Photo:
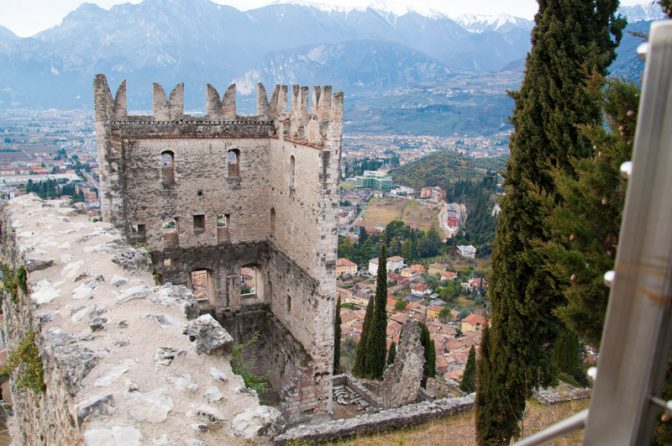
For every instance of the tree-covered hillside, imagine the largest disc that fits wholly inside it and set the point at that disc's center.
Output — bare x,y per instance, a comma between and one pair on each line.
445,167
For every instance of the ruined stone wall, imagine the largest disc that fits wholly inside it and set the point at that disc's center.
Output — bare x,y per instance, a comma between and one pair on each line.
122,362
281,208
374,423
225,260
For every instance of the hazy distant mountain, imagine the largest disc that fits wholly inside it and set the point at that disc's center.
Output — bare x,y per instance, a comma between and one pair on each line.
642,13
197,41
7,35
369,65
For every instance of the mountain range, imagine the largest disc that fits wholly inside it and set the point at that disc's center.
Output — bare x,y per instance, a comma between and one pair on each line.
364,52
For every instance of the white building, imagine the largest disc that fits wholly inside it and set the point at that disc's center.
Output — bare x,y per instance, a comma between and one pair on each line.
393,263
468,251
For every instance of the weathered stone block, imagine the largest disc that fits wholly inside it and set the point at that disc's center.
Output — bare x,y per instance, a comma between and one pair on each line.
208,335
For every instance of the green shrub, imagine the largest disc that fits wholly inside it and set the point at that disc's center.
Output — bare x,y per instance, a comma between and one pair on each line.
26,359
22,279
243,367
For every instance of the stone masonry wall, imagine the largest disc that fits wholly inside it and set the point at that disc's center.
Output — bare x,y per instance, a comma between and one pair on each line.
368,424
201,186
118,368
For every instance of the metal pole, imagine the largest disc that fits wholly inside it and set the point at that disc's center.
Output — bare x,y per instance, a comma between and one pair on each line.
574,423
637,338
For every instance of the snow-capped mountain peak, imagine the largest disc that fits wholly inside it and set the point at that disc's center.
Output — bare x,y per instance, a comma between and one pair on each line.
386,8
639,13
478,23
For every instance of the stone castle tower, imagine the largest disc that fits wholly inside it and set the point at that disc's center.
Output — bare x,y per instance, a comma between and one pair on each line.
242,209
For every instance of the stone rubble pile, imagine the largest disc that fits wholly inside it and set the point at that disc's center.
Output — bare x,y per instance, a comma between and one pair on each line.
345,396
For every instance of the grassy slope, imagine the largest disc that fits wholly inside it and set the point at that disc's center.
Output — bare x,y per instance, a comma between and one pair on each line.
381,211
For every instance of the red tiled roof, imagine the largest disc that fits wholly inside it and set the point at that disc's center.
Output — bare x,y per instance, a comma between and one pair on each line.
475,319
345,262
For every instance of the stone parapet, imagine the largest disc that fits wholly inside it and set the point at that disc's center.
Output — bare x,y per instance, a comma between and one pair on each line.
118,366
367,424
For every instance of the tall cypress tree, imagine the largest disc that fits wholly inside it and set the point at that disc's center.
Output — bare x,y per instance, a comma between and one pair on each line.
485,425
468,383
429,370
337,337
361,366
372,348
586,224
377,348
573,43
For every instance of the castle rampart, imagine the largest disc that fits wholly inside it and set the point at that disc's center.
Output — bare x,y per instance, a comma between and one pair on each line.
123,361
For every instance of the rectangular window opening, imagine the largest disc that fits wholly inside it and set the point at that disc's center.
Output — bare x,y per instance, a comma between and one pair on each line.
201,284
223,220
248,281
199,223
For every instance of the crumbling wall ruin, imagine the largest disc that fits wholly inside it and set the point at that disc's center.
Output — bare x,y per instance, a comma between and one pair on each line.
219,194
402,379
123,364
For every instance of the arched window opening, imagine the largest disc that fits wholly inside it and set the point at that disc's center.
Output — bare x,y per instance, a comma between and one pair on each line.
170,233
233,161
168,167
272,222
292,168
202,285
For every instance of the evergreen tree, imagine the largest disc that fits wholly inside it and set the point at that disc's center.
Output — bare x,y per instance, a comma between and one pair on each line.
337,337
361,366
377,340
392,354
573,43
468,383
486,424
429,370
372,348
567,357
586,224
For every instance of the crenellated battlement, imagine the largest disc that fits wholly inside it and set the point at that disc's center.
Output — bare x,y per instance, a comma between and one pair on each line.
307,120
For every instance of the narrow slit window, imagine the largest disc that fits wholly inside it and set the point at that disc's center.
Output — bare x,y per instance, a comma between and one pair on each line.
272,221
168,167
233,161
289,303
292,168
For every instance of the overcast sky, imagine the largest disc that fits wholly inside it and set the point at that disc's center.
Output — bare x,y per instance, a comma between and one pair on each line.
27,17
